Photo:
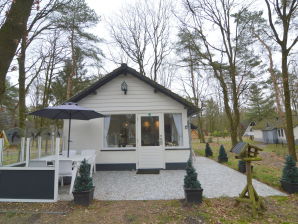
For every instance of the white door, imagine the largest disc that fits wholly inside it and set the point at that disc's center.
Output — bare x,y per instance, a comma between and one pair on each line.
150,141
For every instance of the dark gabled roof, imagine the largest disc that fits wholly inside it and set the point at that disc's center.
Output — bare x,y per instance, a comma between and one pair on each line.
270,124
124,69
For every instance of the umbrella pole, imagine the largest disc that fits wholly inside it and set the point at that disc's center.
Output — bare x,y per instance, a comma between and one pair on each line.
68,136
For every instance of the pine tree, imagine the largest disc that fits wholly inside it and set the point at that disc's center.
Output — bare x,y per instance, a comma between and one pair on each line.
83,181
191,177
260,106
74,20
290,171
222,157
208,150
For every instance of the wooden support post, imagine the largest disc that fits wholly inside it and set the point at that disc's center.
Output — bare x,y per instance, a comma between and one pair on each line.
249,194
22,156
56,165
27,151
248,153
39,146
1,150
53,143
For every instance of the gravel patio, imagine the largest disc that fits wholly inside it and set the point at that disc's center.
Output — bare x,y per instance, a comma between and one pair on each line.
217,181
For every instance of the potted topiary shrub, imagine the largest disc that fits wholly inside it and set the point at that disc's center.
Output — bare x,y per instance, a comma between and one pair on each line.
289,180
208,150
192,187
222,156
83,189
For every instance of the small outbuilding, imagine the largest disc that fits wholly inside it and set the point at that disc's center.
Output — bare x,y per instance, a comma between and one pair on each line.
146,126
271,131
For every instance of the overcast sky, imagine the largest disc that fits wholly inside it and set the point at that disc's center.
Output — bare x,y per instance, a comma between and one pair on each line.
105,9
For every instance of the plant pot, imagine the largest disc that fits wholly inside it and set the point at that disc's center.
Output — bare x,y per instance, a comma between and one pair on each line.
83,198
193,195
290,188
242,167
223,160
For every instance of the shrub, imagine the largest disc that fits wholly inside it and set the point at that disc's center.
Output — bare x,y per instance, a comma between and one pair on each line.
208,151
191,177
222,157
83,181
290,171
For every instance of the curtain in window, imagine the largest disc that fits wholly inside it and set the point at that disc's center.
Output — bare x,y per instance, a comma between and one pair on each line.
107,121
178,123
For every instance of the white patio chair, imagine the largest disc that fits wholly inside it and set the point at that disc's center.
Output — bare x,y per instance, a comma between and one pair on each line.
71,153
66,169
90,155
37,163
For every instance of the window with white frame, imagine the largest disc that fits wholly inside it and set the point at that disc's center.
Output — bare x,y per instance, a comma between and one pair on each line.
120,131
173,129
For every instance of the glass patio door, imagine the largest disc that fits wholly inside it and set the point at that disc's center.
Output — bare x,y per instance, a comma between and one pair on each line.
150,141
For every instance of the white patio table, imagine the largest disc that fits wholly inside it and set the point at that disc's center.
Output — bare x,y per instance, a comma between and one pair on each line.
75,158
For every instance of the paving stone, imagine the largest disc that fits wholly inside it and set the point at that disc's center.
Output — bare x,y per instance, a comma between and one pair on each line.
216,179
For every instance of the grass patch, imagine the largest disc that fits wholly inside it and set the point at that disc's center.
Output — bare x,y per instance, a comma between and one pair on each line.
220,210
268,171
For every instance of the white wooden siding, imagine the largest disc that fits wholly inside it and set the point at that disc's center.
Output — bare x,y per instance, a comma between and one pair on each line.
258,135
140,97
109,99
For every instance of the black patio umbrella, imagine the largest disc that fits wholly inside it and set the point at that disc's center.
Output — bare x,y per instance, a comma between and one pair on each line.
68,110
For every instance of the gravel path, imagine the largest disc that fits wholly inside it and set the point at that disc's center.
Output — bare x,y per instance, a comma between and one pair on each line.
217,181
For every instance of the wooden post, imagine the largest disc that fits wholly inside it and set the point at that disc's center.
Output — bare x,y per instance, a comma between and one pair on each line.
52,143
56,165
63,143
39,146
22,156
27,152
249,193
1,150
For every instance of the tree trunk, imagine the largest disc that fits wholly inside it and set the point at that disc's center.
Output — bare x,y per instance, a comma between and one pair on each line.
233,128
22,80
200,129
288,109
11,33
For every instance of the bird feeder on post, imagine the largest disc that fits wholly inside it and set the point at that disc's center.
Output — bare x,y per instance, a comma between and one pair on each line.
248,153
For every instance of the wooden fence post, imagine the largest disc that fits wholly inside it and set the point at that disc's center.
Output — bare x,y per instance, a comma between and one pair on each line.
53,143
27,152
22,156
62,139
1,150
56,181
39,146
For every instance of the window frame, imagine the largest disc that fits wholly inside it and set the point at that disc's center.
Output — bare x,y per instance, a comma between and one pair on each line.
167,147
106,148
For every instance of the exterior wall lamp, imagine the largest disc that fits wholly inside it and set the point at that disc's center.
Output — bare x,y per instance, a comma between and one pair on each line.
124,87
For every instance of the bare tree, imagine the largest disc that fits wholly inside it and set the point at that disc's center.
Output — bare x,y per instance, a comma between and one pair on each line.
38,23
142,32
228,56
129,34
286,12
